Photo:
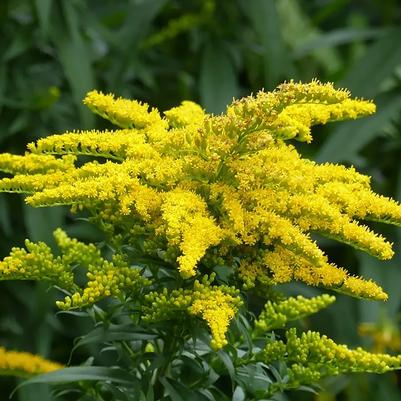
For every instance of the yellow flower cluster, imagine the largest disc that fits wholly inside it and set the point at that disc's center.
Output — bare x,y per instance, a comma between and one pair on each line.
105,278
188,113
121,112
217,305
14,363
33,164
276,314
225,188
313,356
189,226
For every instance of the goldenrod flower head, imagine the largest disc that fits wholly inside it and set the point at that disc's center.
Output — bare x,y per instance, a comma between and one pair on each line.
16,363
198,188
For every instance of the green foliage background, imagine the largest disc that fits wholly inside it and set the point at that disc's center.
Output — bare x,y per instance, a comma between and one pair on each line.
164,51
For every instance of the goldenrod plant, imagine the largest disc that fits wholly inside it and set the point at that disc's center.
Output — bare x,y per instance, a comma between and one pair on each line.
198,213
24,364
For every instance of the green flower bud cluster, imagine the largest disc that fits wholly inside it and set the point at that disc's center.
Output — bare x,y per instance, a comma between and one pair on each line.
276,314
106,279
216,305
166,305
37,262
77,252
313,356
253,276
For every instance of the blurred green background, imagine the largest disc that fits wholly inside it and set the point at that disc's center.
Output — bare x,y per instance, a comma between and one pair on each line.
162,52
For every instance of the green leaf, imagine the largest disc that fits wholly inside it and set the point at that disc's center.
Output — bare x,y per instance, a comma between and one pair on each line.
18,124
115,333
5,217
208,394
74,55
368,74
335,38
171,390
266,23
3,84
82,373
43,9
225,358
18,46
139,17
366,78
388,275
239,394
218,82
178,392
41,222
253,378
41,392
193,369
218,394
125,39
298,29
342,324
150,395
242,324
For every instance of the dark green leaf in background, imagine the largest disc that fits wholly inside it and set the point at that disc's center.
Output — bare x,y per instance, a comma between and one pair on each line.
348,139
74,56
83,373
218,82
265,20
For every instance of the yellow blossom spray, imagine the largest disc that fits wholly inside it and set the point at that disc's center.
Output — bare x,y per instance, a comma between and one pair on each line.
199,213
